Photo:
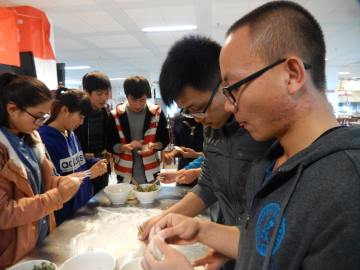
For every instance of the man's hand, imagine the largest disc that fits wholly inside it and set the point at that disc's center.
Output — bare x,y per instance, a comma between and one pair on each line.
188,176
169,158
177,229
150,147
189,153
147,225
174,260
170,177
131,146
213,260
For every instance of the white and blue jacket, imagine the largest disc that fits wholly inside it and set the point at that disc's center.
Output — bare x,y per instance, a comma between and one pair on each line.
67,156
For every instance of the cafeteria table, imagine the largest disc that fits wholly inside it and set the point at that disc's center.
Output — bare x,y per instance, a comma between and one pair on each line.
56,247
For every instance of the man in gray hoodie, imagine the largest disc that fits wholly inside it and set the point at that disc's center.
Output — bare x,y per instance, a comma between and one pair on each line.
303,197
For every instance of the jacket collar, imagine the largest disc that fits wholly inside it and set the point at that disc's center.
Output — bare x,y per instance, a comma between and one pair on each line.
153,108
38,150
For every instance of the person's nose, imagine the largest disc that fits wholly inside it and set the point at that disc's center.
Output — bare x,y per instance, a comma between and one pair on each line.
230,107
197,119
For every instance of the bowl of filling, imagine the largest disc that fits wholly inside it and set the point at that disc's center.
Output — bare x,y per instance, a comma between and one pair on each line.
118,194
148,193
34,265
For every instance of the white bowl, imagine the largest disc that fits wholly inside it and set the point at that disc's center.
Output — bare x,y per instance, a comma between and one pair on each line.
29,265
90,261
147,197
134,264
118,194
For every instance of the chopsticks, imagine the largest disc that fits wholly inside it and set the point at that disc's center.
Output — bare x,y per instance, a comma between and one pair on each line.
135,183
140,229
153,184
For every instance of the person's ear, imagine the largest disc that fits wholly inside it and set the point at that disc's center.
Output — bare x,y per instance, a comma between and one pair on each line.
87,93
64,110
297,74
11,108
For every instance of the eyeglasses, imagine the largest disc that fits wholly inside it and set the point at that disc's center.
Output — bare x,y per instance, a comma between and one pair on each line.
202,114
227,90
38,120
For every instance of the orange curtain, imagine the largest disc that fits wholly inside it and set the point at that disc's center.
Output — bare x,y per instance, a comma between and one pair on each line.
34,29
9,45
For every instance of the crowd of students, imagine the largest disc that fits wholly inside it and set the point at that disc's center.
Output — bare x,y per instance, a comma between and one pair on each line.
53,151
287,184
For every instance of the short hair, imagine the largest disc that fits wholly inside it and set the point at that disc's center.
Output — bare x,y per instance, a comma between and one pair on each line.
74,99
137,86
192,61
96,80
24,92
281,28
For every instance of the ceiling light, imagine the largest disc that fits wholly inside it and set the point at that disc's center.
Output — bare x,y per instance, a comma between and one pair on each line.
170,28
344,73
117,79
326,59
78,67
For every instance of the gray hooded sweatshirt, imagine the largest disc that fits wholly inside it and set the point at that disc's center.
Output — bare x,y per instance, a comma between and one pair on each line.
306,214
228,156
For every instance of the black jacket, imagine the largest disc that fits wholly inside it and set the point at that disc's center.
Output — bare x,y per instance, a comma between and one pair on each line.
182,136
83,134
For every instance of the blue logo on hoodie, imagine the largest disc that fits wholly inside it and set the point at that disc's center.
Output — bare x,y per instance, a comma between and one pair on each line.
265,228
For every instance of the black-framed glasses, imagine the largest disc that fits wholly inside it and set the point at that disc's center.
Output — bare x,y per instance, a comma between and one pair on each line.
227,90
38,120
202,114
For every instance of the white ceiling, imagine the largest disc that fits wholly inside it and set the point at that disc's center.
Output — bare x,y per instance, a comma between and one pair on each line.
106,34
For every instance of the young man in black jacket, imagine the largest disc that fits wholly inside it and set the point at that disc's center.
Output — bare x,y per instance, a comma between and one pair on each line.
92,134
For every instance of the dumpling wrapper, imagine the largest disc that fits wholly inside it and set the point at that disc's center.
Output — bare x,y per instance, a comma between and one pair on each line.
155,250
178,148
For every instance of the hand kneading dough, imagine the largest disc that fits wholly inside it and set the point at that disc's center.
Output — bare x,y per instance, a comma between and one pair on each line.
154,250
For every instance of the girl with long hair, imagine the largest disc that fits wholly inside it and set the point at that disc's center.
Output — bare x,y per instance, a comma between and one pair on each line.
29,193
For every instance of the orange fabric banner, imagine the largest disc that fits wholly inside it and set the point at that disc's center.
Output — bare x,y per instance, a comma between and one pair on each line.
9,45
34,29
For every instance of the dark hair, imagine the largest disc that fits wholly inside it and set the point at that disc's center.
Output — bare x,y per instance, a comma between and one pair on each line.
24,92
74,99
95,80
281,28
137,86
192,61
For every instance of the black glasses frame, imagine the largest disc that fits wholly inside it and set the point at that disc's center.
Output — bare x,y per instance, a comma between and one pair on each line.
38,120
202,114
227,90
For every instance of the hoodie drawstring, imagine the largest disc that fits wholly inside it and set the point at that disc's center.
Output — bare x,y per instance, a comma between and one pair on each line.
281,214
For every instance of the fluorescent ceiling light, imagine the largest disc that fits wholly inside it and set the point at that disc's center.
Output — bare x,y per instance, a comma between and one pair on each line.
72,82
117,79
344,73
78,67
170,28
